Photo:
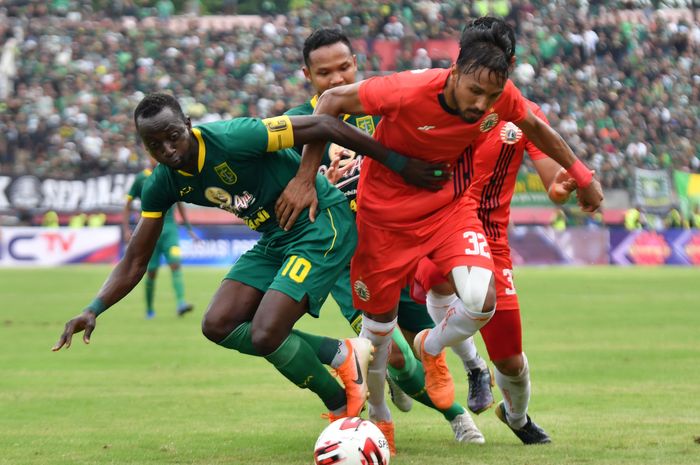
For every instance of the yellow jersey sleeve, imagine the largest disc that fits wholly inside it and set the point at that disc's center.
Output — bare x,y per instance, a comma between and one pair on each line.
279,133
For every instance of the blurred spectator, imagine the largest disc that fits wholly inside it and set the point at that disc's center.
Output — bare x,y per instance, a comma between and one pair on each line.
50,219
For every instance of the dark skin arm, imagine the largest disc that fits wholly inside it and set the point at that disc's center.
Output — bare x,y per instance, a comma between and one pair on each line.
301,193
123,278
181,208
550,142
126,214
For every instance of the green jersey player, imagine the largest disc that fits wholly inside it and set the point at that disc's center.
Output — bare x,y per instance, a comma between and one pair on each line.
241,166
168,247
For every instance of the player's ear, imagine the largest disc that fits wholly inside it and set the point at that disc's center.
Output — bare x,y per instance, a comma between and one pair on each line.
188,122
512,63
307,73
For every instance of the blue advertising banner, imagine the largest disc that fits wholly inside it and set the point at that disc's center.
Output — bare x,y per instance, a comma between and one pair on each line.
219,245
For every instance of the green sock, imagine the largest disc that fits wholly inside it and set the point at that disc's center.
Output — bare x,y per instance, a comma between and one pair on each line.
325,348
411,379
179,286
296,360
150,292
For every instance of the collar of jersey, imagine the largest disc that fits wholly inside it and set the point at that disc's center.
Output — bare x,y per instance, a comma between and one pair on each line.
201,153
314,101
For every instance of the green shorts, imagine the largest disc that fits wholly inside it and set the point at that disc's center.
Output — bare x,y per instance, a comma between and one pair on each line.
413,317
168,245
304,261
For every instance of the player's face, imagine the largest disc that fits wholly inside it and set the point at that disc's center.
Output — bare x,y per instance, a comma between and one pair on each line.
167,138
473,94
331,66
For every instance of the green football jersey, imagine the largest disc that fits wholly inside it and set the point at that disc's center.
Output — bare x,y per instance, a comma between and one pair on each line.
242,168
348,184
136,191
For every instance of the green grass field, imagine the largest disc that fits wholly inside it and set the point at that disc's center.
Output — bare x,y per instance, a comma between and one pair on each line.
614,356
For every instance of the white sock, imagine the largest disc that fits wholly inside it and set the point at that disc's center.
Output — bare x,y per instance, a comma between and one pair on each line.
458,325
340,355
437,305
516,394
380,336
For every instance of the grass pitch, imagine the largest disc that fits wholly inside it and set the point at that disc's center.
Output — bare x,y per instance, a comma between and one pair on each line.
614,356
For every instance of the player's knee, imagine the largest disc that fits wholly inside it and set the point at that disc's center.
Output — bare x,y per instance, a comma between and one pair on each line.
265,340
217,327
511,366
396,358
476,288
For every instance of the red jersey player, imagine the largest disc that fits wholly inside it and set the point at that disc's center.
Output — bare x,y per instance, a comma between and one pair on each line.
433,115
489,177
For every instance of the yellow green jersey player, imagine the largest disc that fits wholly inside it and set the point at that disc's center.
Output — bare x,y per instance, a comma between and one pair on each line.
242,166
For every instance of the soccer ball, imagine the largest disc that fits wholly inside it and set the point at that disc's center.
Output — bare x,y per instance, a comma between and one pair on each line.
351,441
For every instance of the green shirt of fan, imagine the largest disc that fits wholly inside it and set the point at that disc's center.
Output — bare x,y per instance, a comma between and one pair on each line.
243,166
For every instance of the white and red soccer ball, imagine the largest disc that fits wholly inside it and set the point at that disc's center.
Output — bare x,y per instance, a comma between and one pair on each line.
351,441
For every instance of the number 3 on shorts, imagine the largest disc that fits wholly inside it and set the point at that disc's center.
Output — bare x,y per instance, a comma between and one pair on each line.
298,268
477,244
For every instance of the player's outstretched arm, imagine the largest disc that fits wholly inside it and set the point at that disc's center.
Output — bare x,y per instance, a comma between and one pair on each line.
123,278
589,191
126,214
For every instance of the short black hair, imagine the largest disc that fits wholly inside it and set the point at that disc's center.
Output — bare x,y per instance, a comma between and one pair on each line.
486,42
321,38
154,103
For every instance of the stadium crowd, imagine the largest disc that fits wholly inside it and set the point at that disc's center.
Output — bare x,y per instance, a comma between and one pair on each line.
620,84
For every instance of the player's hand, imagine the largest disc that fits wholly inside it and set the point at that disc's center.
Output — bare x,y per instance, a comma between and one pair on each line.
335,173
562,186
85,321
590,197
426,175
298,195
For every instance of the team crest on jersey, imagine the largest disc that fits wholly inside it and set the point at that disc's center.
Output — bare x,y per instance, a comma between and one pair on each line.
511,134
226,174
489,122
361,290
366,123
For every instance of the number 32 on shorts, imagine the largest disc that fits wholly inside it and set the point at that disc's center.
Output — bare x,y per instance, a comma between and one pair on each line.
476,244
297,268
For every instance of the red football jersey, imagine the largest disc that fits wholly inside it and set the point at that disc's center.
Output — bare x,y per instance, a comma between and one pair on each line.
417,122
496,161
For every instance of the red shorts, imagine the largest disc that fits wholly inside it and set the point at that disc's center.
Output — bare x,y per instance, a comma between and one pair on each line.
428,275
385,261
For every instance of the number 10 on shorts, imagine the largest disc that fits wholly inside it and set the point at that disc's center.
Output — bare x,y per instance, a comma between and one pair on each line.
297,268
477,244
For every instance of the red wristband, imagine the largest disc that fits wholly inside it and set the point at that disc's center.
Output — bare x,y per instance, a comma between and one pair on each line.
581,174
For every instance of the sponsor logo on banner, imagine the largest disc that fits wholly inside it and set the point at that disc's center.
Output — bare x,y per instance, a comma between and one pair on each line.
692,248
649,248
26,246
104,193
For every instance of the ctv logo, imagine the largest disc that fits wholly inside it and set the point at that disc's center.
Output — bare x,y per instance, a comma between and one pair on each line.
24,247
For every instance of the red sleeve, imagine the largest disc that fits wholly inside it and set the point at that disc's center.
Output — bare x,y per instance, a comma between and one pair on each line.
511,105
532,151
379,96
